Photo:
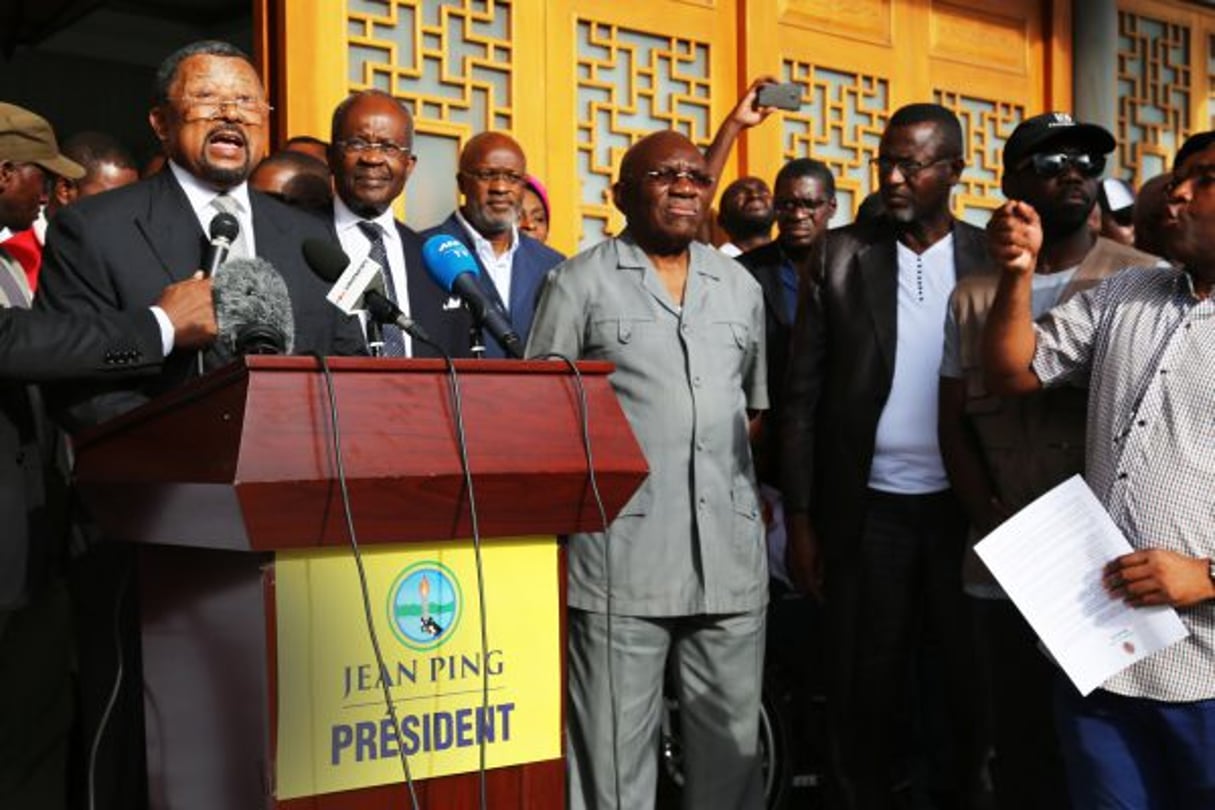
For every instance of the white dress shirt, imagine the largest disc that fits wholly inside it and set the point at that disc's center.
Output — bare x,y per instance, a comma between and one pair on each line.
498,267
201,196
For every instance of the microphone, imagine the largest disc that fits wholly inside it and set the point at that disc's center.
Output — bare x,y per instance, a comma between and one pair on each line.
252,310
223,231
453,268
360,287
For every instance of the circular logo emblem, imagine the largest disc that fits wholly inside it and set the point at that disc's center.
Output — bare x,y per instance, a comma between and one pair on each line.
424,605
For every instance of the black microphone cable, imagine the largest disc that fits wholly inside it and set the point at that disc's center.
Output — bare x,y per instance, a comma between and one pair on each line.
585,423
119,674
457,408
358,560
462,445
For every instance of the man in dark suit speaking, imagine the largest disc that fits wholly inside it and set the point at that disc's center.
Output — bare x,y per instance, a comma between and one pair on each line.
35,654
119,250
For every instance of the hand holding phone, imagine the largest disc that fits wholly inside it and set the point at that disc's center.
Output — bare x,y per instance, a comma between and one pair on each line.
783,96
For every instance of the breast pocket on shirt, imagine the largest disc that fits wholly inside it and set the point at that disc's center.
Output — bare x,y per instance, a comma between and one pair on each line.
732,339
614,335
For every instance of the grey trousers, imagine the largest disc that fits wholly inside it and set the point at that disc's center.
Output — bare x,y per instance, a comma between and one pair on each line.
717,664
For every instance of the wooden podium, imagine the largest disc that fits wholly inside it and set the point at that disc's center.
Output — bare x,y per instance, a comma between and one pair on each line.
213,478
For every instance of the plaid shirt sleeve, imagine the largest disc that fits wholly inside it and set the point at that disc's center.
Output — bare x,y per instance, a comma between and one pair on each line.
1066,337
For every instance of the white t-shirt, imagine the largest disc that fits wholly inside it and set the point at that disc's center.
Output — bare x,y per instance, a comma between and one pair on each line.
907,455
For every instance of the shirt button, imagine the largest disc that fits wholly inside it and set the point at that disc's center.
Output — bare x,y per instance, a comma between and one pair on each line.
685,328
700,445
1121,476
696,381
1141,422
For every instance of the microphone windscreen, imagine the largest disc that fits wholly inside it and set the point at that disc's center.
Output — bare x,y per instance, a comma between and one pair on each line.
224,226
326,259
445,258
251,303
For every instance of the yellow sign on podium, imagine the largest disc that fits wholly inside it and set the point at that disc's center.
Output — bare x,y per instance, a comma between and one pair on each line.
334,730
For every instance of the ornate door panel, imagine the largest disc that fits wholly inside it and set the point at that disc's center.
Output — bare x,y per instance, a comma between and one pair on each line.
574,81
1166,80
618,71
577,81
859,60
463,66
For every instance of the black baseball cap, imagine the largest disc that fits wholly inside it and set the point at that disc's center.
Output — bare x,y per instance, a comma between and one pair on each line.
1034,134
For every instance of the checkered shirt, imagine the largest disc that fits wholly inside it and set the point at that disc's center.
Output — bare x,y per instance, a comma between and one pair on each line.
1145,346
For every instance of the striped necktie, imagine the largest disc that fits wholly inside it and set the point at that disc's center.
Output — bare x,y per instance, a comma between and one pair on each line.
14,289
227,204
394,341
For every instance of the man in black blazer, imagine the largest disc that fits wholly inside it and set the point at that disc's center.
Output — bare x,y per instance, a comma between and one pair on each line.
871,517
804,202
371,156
118,250
513,265
35,647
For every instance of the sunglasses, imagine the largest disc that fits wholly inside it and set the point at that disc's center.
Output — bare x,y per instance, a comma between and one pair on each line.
1050,165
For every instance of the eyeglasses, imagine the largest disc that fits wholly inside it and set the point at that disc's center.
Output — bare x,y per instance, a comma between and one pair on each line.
246,109
791,205
669,176
358,146
908,168
495,176
1054,164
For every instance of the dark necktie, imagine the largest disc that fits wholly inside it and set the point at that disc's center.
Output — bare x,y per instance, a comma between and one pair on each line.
394,341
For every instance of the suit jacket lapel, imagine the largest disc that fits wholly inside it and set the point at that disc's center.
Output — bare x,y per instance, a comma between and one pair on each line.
769,276
272,236
170,227
425,296
878,268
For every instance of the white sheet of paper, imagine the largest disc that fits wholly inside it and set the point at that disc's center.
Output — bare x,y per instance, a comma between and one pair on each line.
1048,558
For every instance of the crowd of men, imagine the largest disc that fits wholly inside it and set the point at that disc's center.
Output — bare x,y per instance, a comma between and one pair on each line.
895,389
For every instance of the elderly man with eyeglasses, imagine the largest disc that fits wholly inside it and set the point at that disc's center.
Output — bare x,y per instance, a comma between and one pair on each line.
679,583
371,156
118,251
491,177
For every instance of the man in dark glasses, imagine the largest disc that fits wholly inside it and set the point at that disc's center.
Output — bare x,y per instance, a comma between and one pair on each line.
1141,343
1003,453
